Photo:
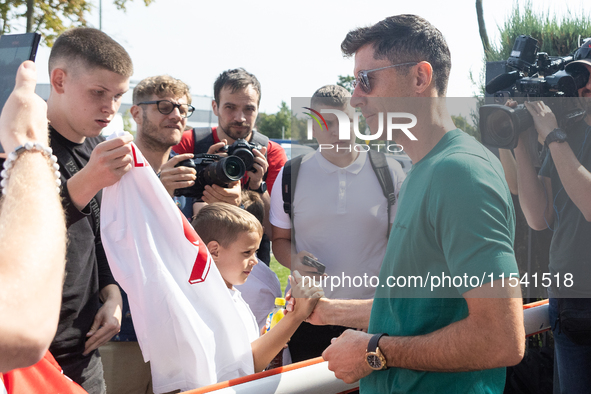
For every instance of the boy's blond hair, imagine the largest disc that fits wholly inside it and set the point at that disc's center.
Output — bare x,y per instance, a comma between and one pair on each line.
223,223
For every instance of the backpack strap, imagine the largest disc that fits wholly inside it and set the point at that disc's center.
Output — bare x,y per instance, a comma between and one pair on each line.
288,184
203,137
259,138
380,167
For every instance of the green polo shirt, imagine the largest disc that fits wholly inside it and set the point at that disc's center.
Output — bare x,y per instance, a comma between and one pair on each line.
455,219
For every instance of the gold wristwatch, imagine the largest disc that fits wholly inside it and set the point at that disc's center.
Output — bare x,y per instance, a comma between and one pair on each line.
374,357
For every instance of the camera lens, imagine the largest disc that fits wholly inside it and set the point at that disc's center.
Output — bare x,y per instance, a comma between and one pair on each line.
222,172
234,167
501,127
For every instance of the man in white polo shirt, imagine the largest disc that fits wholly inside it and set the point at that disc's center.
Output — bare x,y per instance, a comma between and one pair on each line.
340,217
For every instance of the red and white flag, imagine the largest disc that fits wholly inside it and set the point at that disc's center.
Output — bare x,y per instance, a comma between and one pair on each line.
185,320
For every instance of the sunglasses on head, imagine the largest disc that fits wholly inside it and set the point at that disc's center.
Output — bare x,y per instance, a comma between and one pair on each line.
165,107
363,80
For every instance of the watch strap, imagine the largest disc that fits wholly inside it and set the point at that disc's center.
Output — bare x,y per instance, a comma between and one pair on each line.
556,135
262,188
373,342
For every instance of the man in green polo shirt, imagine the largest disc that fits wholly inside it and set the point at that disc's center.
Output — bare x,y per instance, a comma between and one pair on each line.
445,318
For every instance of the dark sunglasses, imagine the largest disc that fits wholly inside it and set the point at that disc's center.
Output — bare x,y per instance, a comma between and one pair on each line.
165,107
363,80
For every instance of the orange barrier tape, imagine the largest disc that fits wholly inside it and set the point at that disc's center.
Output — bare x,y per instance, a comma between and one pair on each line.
302,364
534,304
259,375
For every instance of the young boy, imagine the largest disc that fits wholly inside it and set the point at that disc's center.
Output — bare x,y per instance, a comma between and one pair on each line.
232,236
263,286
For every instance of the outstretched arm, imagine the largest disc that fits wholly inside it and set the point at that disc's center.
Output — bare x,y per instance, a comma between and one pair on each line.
32,233
491,336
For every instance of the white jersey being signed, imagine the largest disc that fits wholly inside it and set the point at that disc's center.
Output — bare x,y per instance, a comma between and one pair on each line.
186,322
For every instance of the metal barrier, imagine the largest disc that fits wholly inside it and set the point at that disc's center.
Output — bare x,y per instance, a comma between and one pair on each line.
313,376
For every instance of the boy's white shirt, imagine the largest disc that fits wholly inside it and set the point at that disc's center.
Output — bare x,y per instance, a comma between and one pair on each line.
245,313
260,291
186,322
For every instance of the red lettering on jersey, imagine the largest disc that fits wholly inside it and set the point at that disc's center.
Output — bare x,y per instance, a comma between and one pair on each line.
203,259
136,163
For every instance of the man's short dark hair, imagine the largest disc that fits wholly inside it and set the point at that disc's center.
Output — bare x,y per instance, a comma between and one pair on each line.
92,47
405,38
236,79
331,96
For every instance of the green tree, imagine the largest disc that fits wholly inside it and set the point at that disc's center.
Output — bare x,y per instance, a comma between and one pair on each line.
276,125
346,81
463,124
48,17
127,125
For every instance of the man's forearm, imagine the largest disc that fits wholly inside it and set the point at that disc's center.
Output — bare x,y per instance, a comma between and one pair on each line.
33,244
348,313
282,251
267,224
81,189
474,343
111,293
575,178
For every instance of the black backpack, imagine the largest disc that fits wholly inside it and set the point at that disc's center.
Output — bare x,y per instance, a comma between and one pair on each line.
378,163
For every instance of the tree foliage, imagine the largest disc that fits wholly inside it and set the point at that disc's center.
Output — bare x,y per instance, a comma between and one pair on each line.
556,36
463,124
48,17
346,81
274,125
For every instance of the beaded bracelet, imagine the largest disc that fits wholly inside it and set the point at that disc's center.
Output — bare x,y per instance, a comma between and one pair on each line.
33,147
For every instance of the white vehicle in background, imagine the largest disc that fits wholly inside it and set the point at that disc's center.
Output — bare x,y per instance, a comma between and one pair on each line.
295,150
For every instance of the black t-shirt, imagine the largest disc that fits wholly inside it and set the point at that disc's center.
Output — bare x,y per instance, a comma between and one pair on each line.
570,250
87,269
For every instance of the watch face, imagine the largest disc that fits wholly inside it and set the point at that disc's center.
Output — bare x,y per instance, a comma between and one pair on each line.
374,361
561,134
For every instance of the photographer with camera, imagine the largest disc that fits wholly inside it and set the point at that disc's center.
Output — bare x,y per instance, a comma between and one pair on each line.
558,198
237,95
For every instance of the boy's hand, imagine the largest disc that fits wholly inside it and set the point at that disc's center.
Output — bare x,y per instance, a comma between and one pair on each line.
306,295
110,160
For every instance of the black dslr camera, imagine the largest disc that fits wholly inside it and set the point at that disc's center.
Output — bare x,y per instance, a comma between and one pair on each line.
243,149
211,170
530,74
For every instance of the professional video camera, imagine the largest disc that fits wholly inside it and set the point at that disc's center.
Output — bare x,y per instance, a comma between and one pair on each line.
243,149
211,170
533,74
